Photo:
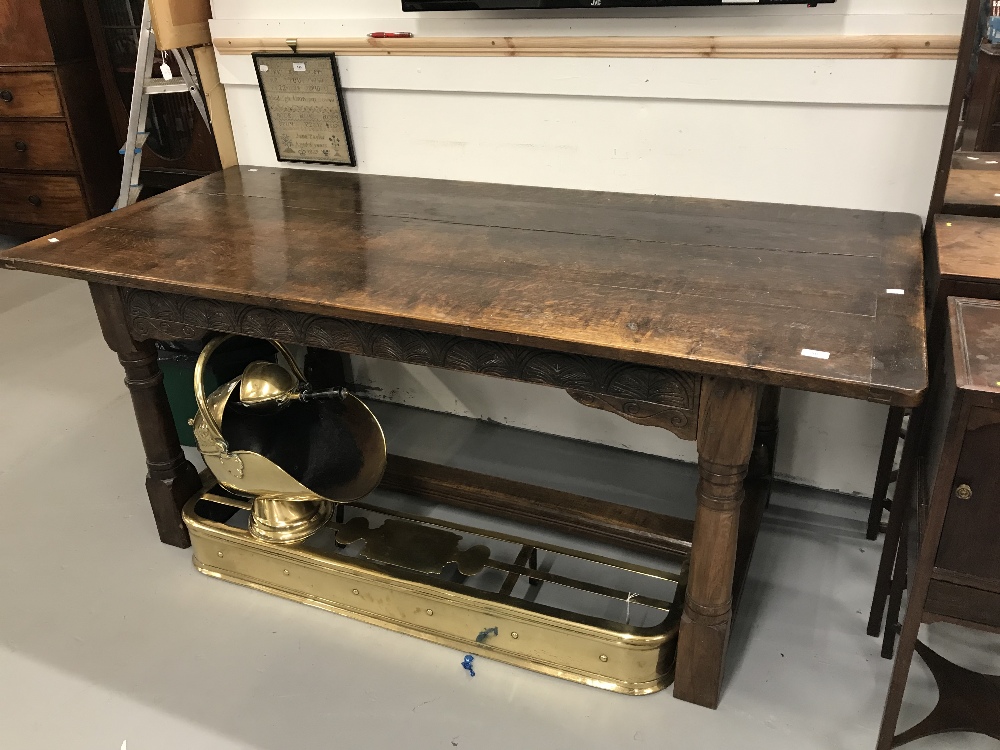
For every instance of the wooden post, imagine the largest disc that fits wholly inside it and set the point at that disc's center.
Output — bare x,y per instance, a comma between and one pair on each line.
726,430
171,479
218,105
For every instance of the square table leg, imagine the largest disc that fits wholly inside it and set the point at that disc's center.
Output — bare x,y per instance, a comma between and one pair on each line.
726,429
171,479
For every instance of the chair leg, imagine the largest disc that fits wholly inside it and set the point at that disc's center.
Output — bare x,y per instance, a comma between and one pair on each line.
905,485
897,683
918,586
896,589
884,476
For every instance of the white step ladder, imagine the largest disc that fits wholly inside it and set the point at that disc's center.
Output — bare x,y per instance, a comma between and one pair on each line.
143,87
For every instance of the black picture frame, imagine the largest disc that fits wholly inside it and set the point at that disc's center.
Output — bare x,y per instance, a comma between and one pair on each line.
260,58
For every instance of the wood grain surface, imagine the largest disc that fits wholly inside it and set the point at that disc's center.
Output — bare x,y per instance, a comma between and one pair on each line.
967,247
32,94
23,37
612,523
726,431
980,161
42,199
29,144
646,395
974,192
865,47
712,287
171,479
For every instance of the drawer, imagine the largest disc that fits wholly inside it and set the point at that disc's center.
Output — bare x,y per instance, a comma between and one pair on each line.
38,199
29,95
963,603
36,145
968,539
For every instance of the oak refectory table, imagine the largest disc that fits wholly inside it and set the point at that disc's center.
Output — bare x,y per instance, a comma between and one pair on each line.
685,314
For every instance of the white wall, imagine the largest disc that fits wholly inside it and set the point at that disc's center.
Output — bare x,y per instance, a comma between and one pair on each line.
849,133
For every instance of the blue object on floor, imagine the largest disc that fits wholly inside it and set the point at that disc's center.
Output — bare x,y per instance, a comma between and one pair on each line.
467,664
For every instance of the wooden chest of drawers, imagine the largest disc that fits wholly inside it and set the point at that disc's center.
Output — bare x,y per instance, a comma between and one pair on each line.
59,163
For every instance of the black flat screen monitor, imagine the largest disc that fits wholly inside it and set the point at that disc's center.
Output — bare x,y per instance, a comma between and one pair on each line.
424,5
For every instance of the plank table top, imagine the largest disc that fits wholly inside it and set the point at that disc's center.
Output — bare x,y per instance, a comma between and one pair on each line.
820,299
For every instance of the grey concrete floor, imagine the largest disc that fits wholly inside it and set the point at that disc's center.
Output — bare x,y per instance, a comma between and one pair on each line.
107,636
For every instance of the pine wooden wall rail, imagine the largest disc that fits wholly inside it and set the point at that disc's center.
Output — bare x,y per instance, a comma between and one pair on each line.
910,47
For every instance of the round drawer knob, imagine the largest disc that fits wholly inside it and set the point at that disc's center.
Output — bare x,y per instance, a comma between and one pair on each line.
7,95
34,200
963,492
20,145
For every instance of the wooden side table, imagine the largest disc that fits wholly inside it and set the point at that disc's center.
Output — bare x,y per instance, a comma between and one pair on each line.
961,260
956,515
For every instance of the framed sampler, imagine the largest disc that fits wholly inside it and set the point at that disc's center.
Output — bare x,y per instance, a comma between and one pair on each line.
304,102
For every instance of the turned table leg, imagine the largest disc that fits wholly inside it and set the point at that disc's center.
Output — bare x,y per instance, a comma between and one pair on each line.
171,479
757,487
727,424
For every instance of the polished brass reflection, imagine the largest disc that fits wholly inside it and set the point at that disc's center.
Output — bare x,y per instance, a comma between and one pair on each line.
267,383
396,582
413,546
284,510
